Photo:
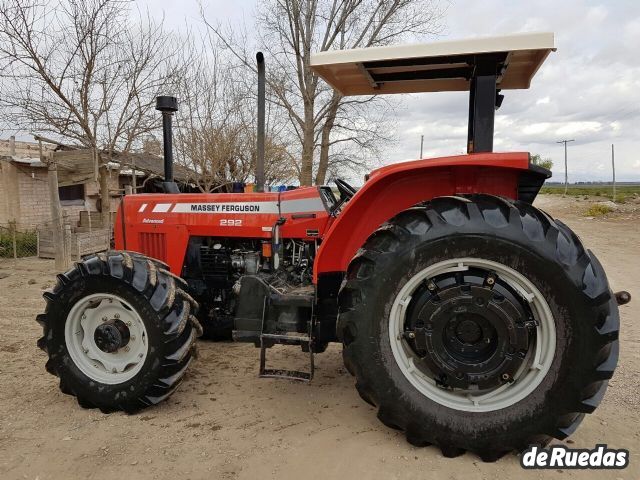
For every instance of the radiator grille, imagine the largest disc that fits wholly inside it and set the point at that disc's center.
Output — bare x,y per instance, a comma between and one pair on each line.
154,245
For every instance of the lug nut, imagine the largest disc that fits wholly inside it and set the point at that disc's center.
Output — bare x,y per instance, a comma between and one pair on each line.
505,376
431,286
117,315
104,319
128,324
412,335
491,281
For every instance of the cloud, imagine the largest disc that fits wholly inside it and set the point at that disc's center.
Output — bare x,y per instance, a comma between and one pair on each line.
588,90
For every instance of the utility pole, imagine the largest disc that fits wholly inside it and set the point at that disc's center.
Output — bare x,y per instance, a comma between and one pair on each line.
566,175
613,167
421,144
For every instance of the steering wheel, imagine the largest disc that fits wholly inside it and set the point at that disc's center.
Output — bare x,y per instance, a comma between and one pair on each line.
346,190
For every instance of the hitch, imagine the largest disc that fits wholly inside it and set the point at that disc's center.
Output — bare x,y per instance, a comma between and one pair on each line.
622,297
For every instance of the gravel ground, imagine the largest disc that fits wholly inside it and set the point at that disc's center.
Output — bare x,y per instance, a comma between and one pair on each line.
226,423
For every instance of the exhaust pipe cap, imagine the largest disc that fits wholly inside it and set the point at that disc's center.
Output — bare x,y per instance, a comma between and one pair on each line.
166,103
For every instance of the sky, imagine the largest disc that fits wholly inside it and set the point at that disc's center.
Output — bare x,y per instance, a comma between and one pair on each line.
588,90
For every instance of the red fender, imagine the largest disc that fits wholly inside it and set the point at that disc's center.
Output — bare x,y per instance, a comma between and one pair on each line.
394,188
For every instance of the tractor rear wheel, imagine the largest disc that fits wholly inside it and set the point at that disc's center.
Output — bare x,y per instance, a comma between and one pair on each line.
119,332
478,323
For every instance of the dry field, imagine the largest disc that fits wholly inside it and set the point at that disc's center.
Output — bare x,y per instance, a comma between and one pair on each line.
225,423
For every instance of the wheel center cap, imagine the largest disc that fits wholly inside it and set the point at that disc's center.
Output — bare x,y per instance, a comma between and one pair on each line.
468,331
111,336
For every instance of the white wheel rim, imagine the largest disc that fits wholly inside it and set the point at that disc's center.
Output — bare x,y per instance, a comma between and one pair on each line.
83,320
529,376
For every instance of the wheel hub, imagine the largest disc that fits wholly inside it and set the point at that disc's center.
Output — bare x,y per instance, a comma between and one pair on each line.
111,336
106,338
470,330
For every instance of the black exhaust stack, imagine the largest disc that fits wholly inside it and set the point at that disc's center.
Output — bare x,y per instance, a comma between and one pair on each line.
167,105
261,115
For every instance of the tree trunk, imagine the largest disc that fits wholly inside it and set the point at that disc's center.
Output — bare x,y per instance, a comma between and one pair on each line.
324,155
105,197
325,140
56,216
308,140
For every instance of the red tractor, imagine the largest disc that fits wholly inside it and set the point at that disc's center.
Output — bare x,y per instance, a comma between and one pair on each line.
470,319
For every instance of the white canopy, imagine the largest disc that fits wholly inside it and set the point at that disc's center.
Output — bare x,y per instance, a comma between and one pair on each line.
433,67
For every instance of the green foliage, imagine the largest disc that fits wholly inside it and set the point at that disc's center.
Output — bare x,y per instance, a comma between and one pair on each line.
597,210
544,163
26,243
623,192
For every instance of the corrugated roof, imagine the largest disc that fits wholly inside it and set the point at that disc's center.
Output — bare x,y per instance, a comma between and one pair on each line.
26,161
154,165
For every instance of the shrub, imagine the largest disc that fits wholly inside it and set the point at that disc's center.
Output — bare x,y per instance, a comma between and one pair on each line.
598,210
26,244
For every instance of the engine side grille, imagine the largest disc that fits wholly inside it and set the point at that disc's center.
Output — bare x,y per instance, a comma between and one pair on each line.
215,264
154,245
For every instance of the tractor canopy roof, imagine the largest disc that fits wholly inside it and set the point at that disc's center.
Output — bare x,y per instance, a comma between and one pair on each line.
434,67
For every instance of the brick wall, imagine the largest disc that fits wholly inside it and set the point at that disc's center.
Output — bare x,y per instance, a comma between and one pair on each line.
9,208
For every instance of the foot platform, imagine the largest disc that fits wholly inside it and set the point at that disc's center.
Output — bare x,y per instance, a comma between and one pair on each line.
267,340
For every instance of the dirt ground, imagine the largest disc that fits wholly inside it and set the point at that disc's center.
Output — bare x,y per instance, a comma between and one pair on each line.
225,423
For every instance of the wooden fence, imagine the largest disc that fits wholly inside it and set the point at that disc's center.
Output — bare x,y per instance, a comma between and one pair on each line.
78,243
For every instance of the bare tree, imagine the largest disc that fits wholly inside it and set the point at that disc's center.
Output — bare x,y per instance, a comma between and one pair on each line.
83,71
291,30
215,134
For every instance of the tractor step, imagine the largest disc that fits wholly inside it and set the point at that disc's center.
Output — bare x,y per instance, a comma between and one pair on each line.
267,340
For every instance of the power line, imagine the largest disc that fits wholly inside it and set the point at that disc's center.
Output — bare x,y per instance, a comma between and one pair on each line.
566,175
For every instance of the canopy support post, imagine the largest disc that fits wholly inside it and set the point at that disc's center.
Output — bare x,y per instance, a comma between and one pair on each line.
482,106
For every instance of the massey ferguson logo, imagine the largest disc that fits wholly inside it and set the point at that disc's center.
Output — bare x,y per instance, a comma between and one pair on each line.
224,207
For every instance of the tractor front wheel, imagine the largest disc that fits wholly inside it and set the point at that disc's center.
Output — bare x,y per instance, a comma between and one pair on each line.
119,332
478,323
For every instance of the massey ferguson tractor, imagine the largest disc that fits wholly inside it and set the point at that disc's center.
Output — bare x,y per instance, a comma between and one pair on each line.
470,319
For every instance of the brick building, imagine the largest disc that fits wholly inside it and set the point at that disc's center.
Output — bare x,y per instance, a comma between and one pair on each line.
24,188
24,193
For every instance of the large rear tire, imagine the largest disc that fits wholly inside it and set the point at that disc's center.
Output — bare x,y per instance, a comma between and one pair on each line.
119,331
478,323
